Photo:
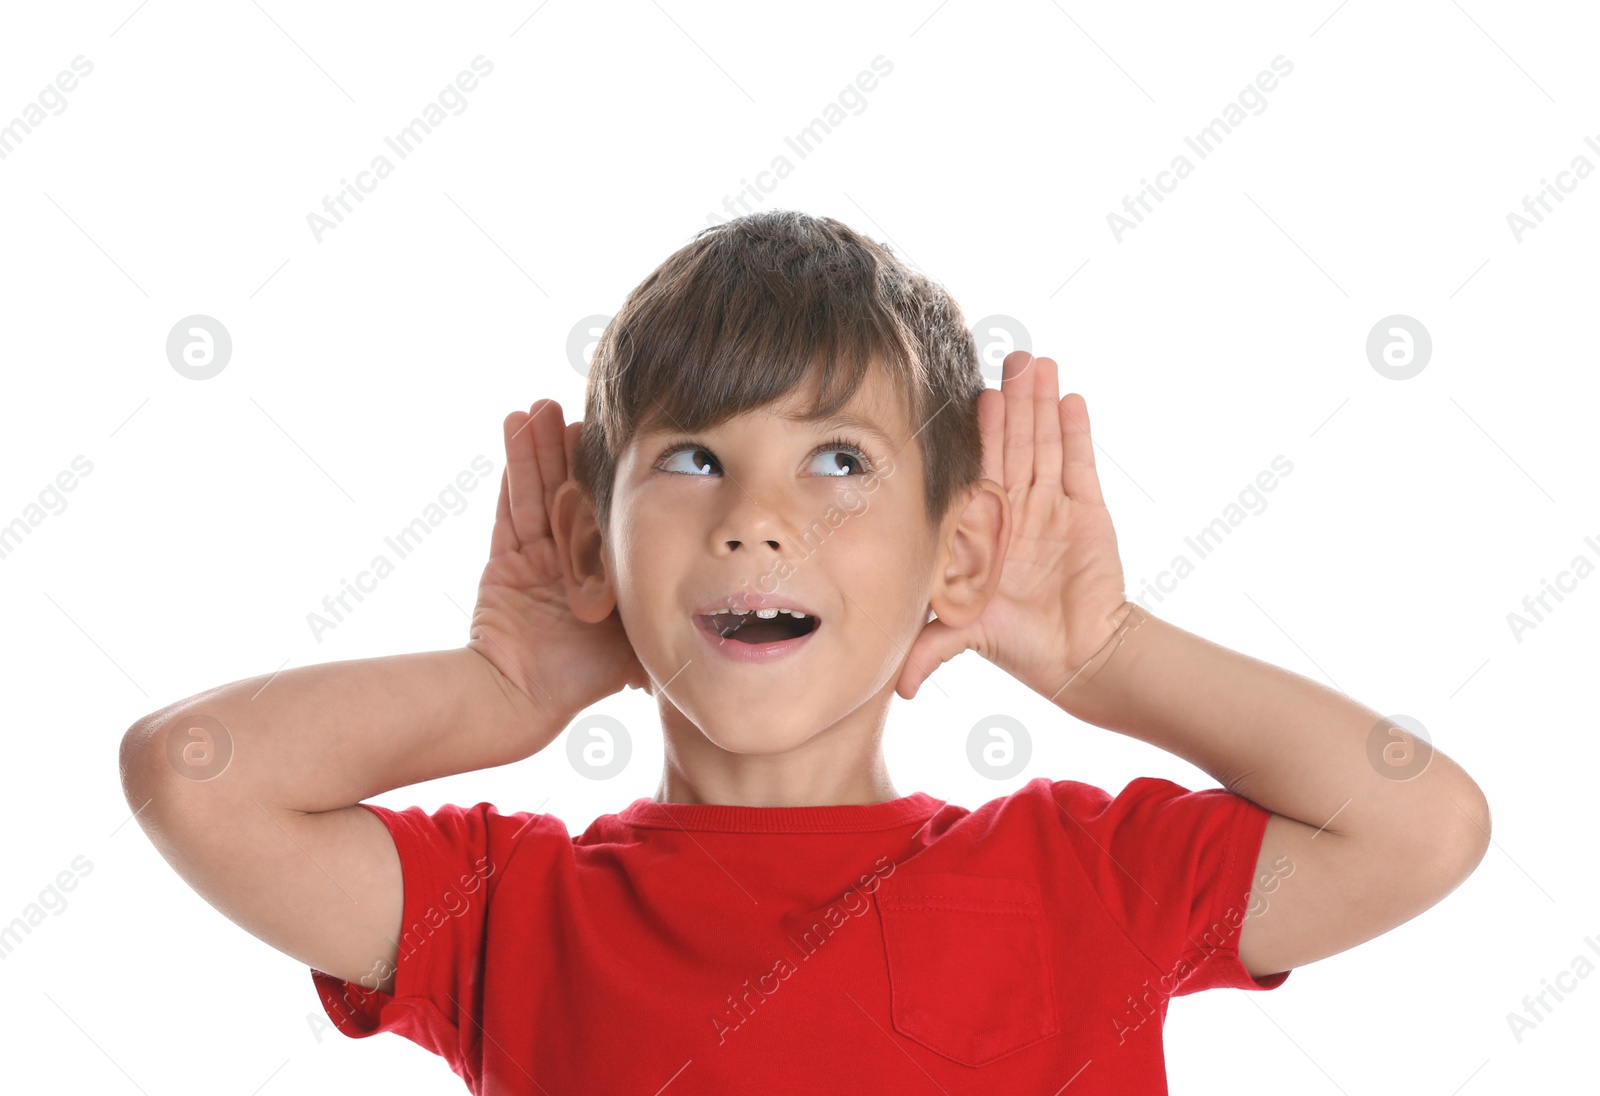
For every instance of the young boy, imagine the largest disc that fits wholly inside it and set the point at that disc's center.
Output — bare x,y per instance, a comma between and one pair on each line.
779,918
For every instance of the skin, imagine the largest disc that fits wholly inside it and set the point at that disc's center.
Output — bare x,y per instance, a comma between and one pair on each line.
759,508
1024,570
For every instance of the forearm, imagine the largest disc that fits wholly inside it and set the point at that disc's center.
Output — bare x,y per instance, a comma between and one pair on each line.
1290,745
320,737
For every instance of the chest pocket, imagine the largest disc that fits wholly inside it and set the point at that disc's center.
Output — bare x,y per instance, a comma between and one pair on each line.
970,972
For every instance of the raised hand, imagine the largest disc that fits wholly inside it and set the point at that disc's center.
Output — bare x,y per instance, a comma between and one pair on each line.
522,624
1061,585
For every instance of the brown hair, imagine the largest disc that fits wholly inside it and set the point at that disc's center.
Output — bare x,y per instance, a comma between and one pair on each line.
748,311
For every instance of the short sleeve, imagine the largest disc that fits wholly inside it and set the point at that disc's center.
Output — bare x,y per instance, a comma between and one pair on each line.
1174,869
451,863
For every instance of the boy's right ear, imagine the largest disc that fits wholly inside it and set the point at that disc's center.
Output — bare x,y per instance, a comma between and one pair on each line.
575,528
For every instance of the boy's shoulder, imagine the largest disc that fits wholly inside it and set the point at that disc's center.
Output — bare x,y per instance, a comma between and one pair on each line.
1145,803
1152,826
432,840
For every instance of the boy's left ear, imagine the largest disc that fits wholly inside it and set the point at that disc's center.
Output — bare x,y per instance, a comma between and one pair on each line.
972,552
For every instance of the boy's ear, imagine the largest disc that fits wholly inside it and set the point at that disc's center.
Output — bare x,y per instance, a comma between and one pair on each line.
972,552
575,528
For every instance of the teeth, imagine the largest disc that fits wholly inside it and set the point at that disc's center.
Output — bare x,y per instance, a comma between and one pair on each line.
764,614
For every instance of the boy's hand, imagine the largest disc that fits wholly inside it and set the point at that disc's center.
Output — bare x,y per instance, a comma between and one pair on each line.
522,624
1061,585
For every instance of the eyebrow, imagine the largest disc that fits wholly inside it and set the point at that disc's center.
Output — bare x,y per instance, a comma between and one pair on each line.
852,422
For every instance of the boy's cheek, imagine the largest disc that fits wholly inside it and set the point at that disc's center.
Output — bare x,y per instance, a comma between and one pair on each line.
852,503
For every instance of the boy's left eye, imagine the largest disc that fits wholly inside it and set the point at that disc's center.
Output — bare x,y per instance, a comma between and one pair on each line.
851,453
694,451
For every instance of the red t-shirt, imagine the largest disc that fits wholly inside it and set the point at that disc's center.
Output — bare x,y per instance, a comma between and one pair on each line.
711,949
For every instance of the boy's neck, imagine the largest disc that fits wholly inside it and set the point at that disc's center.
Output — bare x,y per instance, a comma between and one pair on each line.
773,786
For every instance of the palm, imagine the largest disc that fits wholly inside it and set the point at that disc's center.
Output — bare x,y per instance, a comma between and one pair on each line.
1061,578
1061,582
522,623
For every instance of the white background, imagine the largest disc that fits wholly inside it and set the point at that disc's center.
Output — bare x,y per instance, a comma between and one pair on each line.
369,368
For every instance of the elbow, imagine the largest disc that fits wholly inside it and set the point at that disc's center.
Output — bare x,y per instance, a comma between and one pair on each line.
1473,804
139,763
132,767
1464,831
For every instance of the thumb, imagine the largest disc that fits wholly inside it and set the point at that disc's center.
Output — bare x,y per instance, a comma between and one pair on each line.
935,645
639,679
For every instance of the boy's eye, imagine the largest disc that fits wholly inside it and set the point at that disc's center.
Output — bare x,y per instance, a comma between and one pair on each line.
829,457
695,452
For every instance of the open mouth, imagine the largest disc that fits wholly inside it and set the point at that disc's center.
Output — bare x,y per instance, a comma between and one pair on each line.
756,628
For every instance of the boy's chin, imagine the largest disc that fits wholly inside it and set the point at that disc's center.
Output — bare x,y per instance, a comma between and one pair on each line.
753,736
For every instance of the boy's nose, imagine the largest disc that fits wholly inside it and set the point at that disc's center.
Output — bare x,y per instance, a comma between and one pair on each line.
750,523
756,536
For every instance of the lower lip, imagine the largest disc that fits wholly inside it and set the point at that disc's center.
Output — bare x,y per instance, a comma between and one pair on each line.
751,652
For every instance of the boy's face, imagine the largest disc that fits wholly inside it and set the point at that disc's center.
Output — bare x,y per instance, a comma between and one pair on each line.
766,505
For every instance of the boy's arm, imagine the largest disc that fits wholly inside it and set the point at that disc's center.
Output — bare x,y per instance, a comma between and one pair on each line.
274,839
251,790
1369,850
320,737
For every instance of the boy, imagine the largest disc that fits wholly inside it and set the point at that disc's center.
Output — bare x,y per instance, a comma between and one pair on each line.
779,918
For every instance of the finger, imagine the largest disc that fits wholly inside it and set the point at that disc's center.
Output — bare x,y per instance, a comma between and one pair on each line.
992,429
1016,386
504,538
522,471
1078,475
1046,426
935,645
550,446
518,447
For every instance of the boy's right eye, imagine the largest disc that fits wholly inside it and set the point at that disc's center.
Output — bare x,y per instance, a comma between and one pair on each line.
694,452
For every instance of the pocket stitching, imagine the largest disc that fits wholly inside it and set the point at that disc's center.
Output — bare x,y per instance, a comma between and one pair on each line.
1028,905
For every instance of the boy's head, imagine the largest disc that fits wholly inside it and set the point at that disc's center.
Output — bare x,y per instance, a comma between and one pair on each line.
755,309
718,458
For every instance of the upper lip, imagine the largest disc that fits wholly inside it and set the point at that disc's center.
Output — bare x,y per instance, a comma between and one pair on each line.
757,601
